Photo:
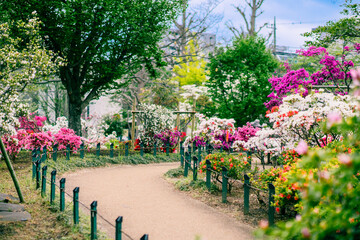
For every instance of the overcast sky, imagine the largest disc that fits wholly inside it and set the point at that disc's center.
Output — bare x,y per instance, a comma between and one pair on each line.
293,17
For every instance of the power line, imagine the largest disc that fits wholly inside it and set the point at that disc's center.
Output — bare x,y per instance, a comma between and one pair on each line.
306,22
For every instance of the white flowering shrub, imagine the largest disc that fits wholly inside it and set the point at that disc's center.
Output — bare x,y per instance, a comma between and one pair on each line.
211,130
154,120
19,67
299,118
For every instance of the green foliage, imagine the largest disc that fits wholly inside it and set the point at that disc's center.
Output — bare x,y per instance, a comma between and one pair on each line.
238,80
346,29
114,123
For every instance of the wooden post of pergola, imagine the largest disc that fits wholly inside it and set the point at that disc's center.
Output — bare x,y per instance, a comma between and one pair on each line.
193,118
178,117
133,123
193,112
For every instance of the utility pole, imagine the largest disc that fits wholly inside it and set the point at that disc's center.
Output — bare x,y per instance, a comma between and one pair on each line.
274,28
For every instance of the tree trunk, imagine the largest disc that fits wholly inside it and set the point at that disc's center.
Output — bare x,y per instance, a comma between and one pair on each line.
75,114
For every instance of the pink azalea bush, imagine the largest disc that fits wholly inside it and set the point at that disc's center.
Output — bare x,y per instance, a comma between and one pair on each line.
39,139
67,136
32,123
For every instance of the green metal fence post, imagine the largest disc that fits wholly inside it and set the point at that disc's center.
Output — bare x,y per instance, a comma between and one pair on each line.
38,167
126,149
38,152
118,226
195,166
141,149
221,149
82,151
145,237
224,184
98,150
76,205
182,156
93,234
208,174
271,204
268,158
54,154
246,193
112,150
62,194
167,149
194,147
68,152
199,154
208,148
52,188
186,169
43,181
43,156
33,154
189,151
154,149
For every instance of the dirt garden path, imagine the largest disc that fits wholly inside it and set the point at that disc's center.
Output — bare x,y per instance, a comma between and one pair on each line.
149,204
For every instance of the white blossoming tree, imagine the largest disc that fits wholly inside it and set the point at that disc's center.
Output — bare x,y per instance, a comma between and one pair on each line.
153,120
22,61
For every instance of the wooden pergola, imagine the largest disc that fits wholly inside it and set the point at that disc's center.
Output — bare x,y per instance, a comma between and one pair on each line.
178,113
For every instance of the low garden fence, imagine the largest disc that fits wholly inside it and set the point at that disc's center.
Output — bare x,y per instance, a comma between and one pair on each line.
198,153
41,183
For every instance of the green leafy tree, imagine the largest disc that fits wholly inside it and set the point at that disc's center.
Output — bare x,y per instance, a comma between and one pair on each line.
102,41
238,80
345,29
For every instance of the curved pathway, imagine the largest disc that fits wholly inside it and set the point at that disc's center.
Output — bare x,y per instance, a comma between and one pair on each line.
149,204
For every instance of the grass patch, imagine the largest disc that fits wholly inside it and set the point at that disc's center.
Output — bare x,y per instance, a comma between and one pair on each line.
175,173
187,184
44,223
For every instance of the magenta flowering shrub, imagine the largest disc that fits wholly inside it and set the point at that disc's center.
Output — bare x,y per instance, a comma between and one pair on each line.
67,136
245,132
312,51
15,143
168,137
39,139
32,123
333,72
226,139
